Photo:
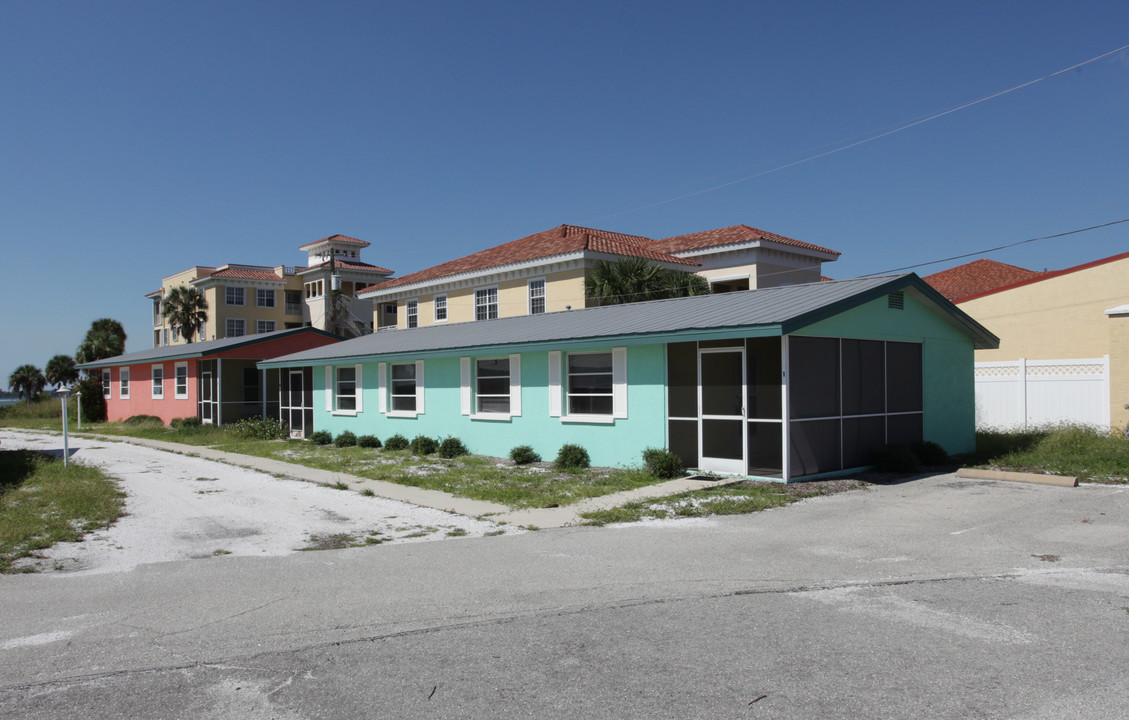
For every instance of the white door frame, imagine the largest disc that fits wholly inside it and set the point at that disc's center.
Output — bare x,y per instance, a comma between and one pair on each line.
727,466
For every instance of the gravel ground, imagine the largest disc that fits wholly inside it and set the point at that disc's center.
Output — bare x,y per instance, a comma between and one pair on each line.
181,507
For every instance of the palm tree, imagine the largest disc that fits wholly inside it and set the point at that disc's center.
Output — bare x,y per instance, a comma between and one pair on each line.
186,309
105,338
633,279
27,380
61,371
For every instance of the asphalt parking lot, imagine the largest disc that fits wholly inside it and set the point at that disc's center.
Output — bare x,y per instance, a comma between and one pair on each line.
938,597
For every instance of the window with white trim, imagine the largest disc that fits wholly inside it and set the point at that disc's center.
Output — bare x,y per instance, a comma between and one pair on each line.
492,386
158,382
123,383
403,387
176,333
537,296
264,326
440,308
180,381
236,327
233,295
264,298
106,382
345,389
412,310
486,303
589,387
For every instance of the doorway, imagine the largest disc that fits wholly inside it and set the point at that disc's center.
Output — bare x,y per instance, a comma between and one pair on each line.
721,410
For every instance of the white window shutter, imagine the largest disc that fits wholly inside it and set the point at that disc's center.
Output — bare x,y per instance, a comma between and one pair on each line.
554,383
464,385
515,384
619,382
359,388
328,388
419,386
381,388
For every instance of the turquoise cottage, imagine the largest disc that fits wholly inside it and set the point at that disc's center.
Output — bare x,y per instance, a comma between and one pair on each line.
784,383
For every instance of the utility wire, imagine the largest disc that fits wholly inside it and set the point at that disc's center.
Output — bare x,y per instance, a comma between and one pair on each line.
868,137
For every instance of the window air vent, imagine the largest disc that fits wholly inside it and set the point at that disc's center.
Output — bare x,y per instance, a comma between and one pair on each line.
896,300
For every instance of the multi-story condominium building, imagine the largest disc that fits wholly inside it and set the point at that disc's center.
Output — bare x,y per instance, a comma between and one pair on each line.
252,299
545,272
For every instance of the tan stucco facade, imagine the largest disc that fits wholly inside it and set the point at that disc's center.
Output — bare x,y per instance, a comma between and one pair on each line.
1064,317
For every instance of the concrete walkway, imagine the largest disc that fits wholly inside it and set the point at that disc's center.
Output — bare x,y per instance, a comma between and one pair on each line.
561,516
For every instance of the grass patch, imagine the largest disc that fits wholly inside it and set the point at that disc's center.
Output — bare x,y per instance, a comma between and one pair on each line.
736,499
1088,454
43,503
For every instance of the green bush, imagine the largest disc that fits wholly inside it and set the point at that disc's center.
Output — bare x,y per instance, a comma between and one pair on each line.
572,457
368,441
396,442
345,439
321,437
452,447
423,445
258,428
523,455
895,458
930,453
662,463
93,403
185,423
143,420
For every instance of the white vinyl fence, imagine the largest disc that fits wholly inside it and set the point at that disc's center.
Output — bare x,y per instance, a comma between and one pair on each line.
1017,394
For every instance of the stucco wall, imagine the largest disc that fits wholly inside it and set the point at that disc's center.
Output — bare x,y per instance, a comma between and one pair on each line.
1064,317
645,425
562,289
141,400
948,387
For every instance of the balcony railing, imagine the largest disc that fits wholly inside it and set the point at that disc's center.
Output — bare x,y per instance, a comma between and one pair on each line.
293,308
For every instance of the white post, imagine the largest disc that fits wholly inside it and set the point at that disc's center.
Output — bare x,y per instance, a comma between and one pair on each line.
64,392
78,399
785,412
1023,390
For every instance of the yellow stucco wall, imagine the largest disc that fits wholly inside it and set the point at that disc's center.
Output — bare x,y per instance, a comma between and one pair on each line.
1064,317
562,289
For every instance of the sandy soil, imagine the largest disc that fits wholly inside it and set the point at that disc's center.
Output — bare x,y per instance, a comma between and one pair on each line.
180,507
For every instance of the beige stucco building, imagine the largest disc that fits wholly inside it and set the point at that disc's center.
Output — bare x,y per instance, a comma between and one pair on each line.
255,299
545,272
1080,312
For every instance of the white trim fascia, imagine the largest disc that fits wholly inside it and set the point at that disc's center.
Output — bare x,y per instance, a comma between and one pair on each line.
756,245
1119,310
729,278
447,283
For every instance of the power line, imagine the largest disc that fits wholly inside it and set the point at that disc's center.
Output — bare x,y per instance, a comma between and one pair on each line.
866,137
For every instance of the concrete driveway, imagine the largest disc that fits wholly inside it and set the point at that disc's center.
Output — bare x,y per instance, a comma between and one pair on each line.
934,598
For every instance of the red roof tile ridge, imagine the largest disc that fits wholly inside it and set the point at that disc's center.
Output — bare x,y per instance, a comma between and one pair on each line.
338,238
730,235
1041,275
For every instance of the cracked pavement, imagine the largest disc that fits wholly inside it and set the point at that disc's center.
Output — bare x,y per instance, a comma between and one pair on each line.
933,598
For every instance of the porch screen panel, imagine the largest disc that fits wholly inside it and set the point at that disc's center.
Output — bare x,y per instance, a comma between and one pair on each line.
863,370
814,383
815,446
682,382
903,377
861,437
766,456
904,429
721,439
683,439
762,360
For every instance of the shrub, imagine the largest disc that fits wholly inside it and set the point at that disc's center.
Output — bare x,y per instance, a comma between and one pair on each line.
93,403
523,455
259,428
185,423
572,457
321,437
895,458
452,447
423,445
930,453
662,463
143,420
396,442
345,439
368,441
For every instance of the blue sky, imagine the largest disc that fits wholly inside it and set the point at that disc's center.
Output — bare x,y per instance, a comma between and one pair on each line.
138,139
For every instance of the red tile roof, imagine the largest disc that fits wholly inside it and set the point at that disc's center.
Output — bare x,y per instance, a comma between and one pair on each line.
557,241
241,273
338,239
349,265
978,276
727,236
1034,277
